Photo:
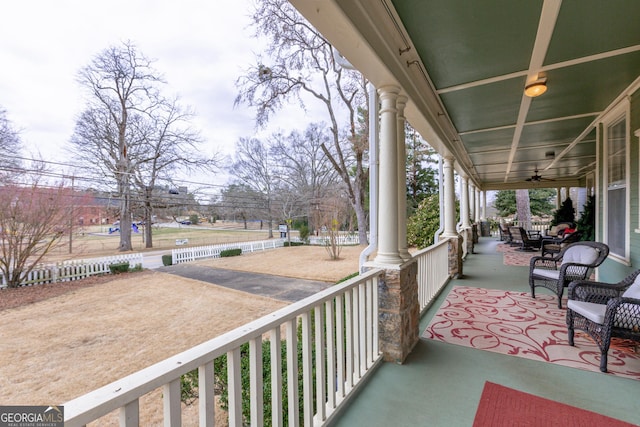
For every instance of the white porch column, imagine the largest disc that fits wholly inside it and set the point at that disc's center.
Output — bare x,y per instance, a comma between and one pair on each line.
472,201
483,215
464,201
476,204
402,181
558,197
388,178
449,199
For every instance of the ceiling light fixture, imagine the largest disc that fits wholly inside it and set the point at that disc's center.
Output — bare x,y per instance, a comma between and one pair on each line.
536,88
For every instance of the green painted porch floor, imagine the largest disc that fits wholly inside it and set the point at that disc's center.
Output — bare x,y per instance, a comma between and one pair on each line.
440,384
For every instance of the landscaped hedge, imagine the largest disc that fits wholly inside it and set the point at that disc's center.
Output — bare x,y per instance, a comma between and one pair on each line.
230,252
293,243
167,259
120,267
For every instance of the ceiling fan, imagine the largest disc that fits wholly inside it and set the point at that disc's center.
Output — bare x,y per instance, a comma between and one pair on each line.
537,177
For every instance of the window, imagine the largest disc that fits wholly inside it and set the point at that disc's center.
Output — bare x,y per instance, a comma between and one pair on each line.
616,223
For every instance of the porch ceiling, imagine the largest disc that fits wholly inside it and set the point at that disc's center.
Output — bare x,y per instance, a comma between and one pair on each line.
474,60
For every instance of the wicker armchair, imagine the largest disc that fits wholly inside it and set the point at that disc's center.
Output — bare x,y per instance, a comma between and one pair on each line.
505,235
529,243
551,245
604,311
574,262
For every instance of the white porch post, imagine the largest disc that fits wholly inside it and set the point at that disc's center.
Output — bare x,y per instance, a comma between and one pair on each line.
402,181
472,201
388,174
449,199
464,201
476,204
483,215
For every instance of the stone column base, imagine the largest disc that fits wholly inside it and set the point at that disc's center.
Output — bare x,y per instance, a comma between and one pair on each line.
455,256
399,312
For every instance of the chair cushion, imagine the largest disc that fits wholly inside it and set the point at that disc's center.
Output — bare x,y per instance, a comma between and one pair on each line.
580,254
633,291
590,310
549,274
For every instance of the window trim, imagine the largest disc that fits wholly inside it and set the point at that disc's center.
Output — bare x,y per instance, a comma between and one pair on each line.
620,111
637,135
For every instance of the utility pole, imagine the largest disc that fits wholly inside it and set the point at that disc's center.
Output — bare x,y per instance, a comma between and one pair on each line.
71,215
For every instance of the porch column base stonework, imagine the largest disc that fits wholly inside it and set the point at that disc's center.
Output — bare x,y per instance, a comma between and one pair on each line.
399,312
455,256
469,238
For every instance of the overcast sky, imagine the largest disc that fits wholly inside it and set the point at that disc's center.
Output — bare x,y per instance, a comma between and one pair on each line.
200,46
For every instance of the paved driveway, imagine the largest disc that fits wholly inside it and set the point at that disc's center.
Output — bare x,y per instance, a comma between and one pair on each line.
277,287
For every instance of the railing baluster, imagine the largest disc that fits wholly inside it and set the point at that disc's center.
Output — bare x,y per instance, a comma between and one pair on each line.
362,327
307,377
276,377
206,395
171,400
130,414
320,367
374,316
331,354
340,346
234,384
356,334
256,383
349,340
292,372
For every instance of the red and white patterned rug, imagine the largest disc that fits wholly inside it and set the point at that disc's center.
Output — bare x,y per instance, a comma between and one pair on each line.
512,256
513,323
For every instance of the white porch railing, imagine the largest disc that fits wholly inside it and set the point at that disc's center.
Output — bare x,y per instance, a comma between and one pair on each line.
213,251
66,271
433,271
540,226
339,342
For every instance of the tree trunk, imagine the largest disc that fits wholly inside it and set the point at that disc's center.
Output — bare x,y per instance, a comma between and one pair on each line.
125,215
523,209
147,219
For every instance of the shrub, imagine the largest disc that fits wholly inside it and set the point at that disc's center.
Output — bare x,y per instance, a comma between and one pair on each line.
351,276
167,259
303,232
293,243
120,267
230,252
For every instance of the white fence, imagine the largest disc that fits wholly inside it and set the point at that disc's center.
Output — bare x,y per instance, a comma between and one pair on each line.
341,240
66,271
339,347
213,251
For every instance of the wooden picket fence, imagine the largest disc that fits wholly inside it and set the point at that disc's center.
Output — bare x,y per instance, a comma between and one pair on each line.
67,271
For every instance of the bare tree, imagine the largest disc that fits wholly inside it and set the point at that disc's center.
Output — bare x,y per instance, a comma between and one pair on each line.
129,134
168,144
33,220
254,167
239,201
303,62
304,169
10,147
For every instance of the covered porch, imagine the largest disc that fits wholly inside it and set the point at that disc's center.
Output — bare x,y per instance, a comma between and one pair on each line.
440,384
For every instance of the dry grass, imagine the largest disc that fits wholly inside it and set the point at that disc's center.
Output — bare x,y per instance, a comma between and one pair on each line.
56,348
301,262
66,346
